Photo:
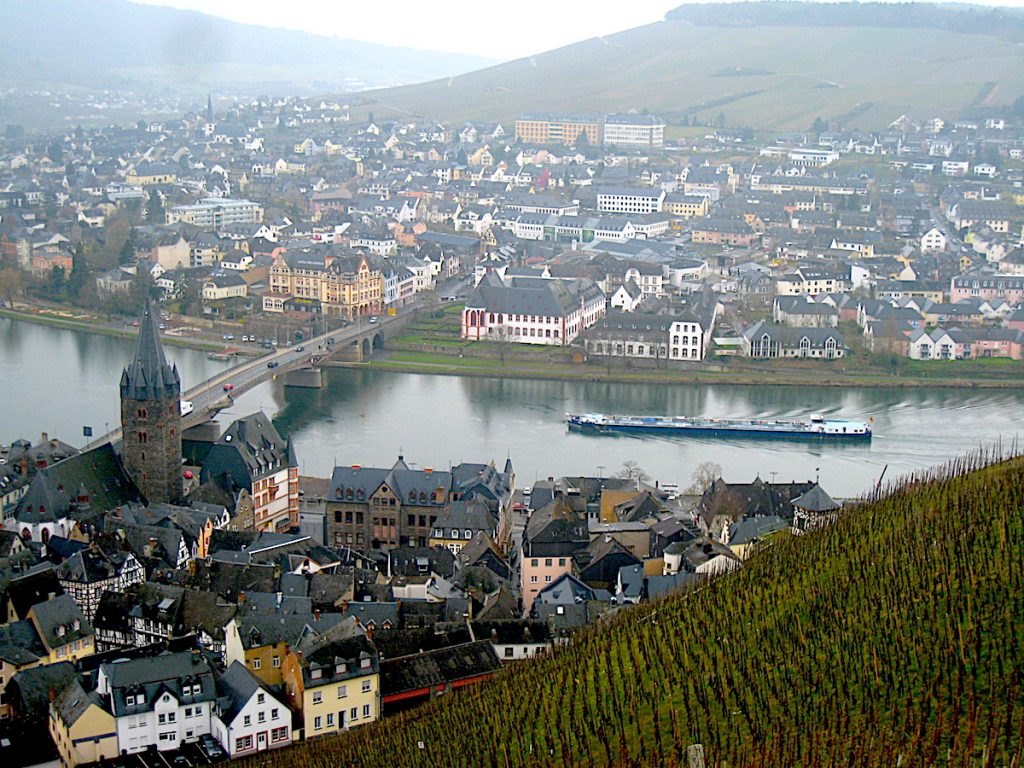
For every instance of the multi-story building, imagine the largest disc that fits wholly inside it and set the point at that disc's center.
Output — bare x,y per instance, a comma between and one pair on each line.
630,200
553,535
531,310
82,730
333,684
686,206
248,718
634,131
345,286
559,128
159,701
65,633
216,213
251,455
88,573
388,507
987,286
261,643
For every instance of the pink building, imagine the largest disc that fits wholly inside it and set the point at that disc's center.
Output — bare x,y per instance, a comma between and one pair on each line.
987,286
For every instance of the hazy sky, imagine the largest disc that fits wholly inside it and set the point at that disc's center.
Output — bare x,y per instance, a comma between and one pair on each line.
495,30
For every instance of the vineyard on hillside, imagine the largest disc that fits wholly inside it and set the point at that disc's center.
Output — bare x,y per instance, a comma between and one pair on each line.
895,637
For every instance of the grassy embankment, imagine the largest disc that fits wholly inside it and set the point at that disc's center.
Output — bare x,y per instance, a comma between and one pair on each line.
83,321
894,637
432,345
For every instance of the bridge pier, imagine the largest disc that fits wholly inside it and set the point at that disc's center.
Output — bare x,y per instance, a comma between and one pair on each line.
306,378
205,432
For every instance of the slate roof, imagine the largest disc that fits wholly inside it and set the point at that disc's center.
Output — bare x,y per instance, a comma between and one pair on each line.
235,688
815,500
155,675
20,643
149,377
444,665
31,687
60,621
533,296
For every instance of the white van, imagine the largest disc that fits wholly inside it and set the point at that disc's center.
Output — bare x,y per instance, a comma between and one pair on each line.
186,407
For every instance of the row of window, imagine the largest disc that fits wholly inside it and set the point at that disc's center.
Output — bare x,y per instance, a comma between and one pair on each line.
548,561
353,716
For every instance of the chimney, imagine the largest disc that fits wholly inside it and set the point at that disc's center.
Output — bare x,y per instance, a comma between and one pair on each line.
44,438
53,694
241,598
344,606
316,614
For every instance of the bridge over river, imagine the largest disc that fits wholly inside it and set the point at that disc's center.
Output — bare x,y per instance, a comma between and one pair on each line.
301,365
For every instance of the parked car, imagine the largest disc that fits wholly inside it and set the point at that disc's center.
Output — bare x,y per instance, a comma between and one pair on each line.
300,349
229,336
228,387
273,364
211,747
373,319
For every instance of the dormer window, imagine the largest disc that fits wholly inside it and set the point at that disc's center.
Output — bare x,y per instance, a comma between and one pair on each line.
315,673
340,668
76,625
60,630
364,661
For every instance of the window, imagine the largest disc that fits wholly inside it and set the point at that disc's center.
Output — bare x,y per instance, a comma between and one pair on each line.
547,579
342,691
243,743
161,719
533,579
275,713
318,723
172,716
279,734
169,736
366,710
367,686
260,698
533,562
547,562
353,714
276,661
247,720
188,711
330,720
508,652
318,696
256,663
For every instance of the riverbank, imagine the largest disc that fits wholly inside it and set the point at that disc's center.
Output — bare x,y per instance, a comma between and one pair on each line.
993,374
86,323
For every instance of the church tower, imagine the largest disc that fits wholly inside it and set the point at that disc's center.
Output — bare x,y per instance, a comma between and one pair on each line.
151,417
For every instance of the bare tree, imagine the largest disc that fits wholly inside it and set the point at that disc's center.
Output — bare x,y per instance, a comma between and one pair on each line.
704,477
502,336
633,471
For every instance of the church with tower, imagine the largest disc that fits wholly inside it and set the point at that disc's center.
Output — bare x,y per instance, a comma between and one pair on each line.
151,417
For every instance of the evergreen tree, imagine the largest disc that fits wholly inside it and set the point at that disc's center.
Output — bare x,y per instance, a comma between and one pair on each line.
819,126
79,273
127,254
155,208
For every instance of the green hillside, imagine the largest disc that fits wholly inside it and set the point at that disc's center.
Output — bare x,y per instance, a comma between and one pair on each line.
725,60
895,637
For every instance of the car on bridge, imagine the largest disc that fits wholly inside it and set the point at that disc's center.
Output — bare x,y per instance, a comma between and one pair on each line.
187,407
228,387
273,364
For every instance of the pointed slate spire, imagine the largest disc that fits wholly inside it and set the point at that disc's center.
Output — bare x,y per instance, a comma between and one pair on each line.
149,377
290,454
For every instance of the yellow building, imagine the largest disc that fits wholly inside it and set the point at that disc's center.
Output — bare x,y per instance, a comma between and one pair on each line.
83,731
333,684
261,643
559,129
345,286
65,633
151,173
686,206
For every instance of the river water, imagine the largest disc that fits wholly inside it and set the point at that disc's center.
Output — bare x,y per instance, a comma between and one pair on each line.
57,381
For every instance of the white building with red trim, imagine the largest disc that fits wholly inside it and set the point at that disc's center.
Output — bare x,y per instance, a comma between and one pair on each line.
531,310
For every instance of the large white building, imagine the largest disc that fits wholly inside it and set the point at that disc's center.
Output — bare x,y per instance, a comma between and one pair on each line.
531,310
630,200
639,131
216,212
159,701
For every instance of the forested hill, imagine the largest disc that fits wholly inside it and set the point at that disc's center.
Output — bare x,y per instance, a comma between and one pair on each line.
774,65
970,19
894,637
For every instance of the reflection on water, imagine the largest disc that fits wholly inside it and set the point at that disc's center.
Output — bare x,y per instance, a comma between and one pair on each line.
368,417
57,381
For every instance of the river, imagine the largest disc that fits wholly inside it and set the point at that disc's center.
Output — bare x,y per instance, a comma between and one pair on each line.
57,380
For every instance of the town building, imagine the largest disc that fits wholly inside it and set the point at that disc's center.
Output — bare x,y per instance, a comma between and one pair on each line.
216,213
